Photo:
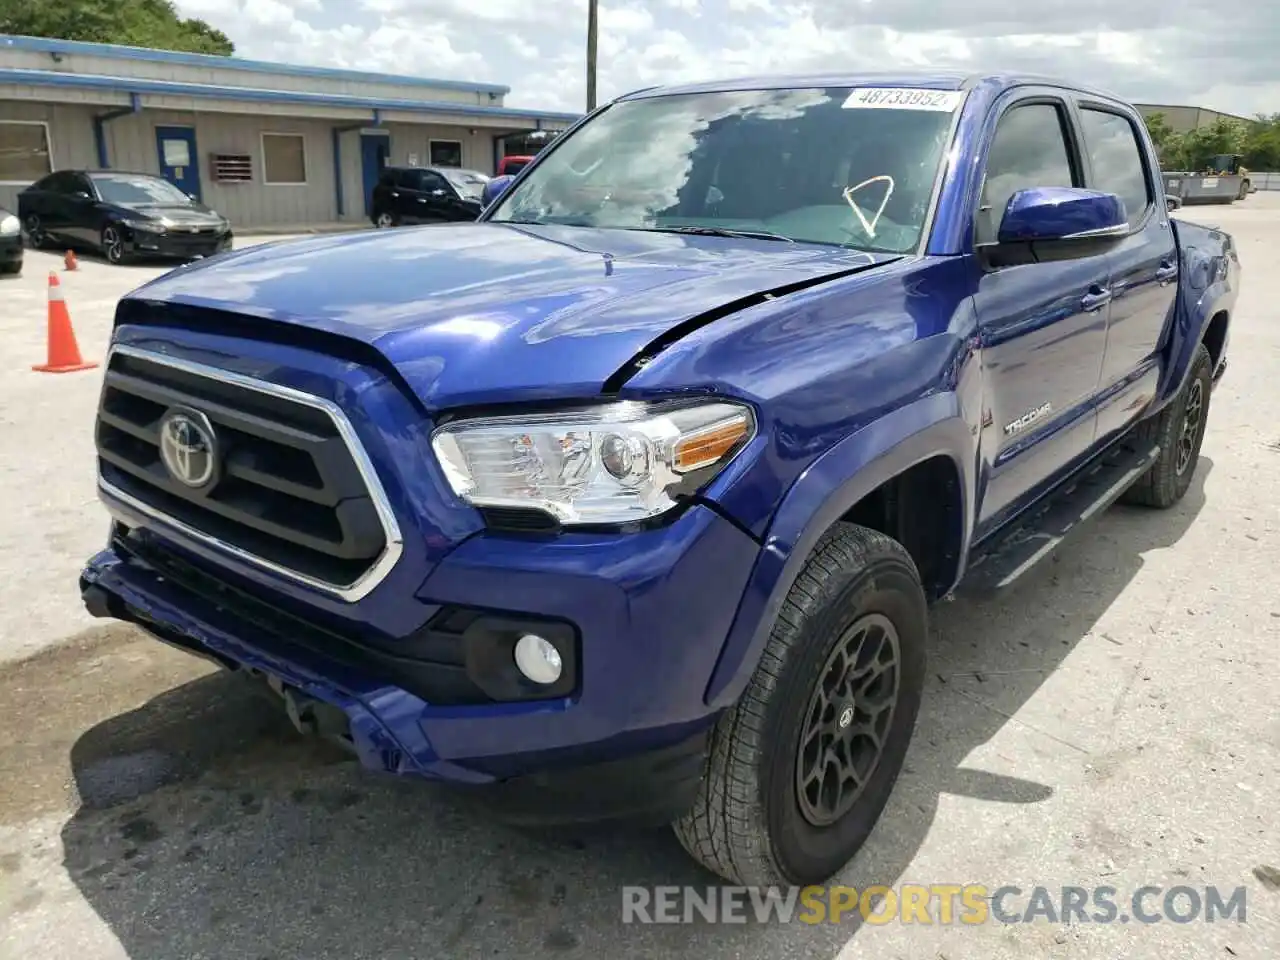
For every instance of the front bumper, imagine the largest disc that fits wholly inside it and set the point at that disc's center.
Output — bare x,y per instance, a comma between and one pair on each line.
651,611
178,246
11,249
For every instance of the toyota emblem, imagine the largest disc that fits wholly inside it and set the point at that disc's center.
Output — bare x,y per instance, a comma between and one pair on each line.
188,448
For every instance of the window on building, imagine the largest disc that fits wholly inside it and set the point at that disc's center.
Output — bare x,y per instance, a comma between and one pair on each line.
1029,150
284,158
446,153
24,152
1116,159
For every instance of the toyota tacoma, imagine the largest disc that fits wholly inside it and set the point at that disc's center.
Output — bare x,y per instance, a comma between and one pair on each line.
632,498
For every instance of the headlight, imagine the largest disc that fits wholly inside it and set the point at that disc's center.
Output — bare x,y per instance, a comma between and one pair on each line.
146,226
609,464
9,226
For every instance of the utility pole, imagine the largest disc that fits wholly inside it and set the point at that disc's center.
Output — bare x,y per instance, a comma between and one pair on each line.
592,17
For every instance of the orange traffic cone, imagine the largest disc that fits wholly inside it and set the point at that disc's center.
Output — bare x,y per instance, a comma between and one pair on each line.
64,352
69,261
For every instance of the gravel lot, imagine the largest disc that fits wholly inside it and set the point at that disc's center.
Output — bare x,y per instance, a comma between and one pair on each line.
1113,721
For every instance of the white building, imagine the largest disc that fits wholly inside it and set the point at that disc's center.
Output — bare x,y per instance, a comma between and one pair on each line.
266,144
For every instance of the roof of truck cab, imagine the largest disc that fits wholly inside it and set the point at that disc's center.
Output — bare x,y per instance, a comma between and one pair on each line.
922,79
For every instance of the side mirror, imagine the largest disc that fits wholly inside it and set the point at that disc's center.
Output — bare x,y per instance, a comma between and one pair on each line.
1172,202
82,195
494,188
1071,214
437,193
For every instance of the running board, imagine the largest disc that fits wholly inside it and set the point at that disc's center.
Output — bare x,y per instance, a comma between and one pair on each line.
1082,497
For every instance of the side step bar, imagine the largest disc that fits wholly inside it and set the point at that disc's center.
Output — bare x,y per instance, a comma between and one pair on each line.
1084,496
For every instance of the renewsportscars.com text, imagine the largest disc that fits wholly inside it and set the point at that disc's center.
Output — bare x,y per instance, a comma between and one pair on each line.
939,903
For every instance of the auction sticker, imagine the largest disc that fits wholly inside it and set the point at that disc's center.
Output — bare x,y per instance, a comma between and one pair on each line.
904,98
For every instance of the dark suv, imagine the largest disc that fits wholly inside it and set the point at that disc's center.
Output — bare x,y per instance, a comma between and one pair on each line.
426,195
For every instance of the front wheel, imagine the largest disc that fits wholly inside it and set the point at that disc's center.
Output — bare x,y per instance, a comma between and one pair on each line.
1179,429
385,220
113,245
800,769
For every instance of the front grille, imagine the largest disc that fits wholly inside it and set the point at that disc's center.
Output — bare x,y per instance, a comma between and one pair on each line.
287,490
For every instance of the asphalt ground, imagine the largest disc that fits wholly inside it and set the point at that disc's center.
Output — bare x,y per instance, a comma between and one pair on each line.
1114,721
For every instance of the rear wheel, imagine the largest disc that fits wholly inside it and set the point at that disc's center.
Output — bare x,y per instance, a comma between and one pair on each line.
385,220
1179,429
36,236
800,769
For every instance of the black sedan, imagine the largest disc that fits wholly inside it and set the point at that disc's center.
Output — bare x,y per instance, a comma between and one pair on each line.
10,243
123,215
426,195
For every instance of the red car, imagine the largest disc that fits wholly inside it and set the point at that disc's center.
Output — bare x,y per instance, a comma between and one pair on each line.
513,165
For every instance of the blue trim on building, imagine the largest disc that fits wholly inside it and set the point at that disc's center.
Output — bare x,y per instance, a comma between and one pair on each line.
49,78
100,127
210,61
339,195
337,170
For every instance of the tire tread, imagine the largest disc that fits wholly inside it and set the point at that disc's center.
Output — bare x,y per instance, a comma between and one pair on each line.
726,831
1158,487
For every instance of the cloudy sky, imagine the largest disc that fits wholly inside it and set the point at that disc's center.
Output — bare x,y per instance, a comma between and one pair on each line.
1167,51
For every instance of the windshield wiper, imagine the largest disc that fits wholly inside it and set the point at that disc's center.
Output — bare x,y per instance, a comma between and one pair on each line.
550,221
721,232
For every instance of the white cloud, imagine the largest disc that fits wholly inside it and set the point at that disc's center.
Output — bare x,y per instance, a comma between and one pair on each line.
1150,50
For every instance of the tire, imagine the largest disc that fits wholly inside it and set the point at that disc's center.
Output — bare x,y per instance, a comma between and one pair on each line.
14,267
1169,478
750,823
386,220
35,233
112,244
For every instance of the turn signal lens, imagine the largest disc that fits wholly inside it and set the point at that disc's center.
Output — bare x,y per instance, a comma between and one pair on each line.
708,446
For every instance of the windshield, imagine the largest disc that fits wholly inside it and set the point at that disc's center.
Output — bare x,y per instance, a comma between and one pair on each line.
838,166
120,188
468,183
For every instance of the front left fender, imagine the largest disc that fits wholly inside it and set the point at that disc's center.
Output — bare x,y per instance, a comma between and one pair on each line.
931,426
1208,285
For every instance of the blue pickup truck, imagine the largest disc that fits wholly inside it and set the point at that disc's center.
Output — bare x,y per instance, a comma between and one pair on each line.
631,500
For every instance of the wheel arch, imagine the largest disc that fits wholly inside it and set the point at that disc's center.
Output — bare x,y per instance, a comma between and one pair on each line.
926,445
1207,293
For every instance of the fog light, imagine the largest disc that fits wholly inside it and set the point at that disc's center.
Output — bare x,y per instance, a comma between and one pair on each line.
538,659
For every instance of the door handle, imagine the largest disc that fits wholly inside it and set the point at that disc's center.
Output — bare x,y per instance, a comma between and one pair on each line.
1167,272
422,199
395,193
1095,299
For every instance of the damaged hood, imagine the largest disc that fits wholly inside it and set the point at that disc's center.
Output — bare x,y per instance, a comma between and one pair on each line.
478,313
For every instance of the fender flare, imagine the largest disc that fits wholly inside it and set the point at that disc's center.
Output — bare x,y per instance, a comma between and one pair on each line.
1192,326
824,492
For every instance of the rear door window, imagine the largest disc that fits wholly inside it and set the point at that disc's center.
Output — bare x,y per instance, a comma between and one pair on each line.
63,183
1116,159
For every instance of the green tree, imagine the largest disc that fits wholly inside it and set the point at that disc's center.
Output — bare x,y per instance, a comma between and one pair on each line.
1262,143
1202,144
1168,142
138,23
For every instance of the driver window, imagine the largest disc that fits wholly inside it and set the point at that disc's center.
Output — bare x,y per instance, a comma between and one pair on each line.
1029,150
432,181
